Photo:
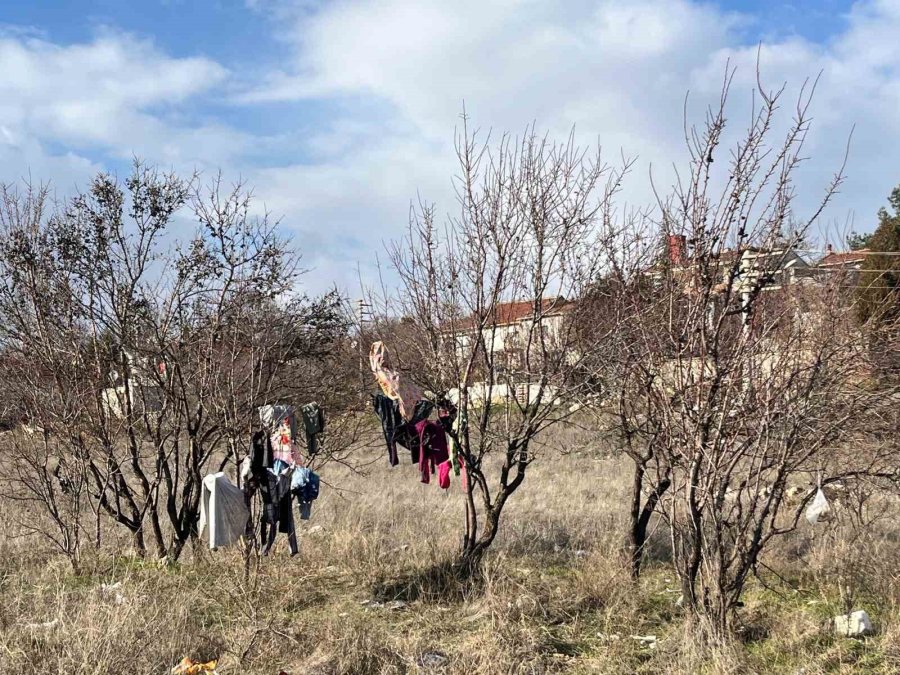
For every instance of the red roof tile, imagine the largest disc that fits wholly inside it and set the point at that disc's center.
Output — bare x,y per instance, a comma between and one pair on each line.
846,258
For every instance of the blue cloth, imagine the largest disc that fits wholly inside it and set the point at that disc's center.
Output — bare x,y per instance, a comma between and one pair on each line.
305,509
305,486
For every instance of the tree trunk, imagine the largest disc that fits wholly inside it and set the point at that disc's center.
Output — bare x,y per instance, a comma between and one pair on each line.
175,549
157,532
692,541
140,546
638,533
471,523
471,556
641,514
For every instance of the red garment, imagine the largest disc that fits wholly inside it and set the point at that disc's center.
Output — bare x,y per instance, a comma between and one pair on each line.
444,474
433,449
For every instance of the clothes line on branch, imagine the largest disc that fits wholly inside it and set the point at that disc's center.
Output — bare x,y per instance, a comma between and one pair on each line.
276,471
405,416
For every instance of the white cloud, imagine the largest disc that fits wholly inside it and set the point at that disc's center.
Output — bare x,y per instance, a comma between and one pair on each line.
857,90
25,160
393,74
113,97
617,71
512,61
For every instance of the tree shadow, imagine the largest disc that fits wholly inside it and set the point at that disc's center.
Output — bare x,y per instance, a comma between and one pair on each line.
444,582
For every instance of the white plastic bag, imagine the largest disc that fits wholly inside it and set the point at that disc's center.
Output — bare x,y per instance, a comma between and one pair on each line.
818,507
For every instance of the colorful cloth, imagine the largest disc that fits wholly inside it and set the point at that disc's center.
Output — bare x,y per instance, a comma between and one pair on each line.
283,446
281,423
305,486
433,450
405,393
273,416
407,434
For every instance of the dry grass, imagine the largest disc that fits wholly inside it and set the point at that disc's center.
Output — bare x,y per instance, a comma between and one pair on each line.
554,596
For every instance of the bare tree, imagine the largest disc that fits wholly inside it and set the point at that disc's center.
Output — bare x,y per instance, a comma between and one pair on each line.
143,356
52,484
748,372
486,302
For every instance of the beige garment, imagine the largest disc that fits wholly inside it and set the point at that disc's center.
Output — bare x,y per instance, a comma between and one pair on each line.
405,393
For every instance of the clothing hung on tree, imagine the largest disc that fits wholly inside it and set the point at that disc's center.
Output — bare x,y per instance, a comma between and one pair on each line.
272,468
305,487
277,515
394,387
281,422
396,431
388,412
313,425
261,454
222,511
434,457
408,436
404,412
453,424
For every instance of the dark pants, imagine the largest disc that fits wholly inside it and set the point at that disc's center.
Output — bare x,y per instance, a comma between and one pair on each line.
285,524
277,515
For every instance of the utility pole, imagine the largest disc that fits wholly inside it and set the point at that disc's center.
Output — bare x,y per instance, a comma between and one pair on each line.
363,313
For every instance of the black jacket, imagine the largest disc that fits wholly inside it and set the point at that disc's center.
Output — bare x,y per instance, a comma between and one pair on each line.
261,455
396,431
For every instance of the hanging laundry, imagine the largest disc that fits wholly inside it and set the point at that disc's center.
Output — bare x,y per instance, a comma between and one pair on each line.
402,391
313,425
305,487
272,416
277,515
388,412
444,474
222,511
261,454
453,423
433,451
245,473
407,435
283,443
281,422
396,431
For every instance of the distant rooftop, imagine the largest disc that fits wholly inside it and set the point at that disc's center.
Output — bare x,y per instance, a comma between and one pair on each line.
844,258
509,313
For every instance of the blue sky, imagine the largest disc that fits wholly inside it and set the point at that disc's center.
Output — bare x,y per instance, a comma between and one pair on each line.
340,113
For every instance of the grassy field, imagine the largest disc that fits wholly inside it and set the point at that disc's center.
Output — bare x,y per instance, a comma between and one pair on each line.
368,592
